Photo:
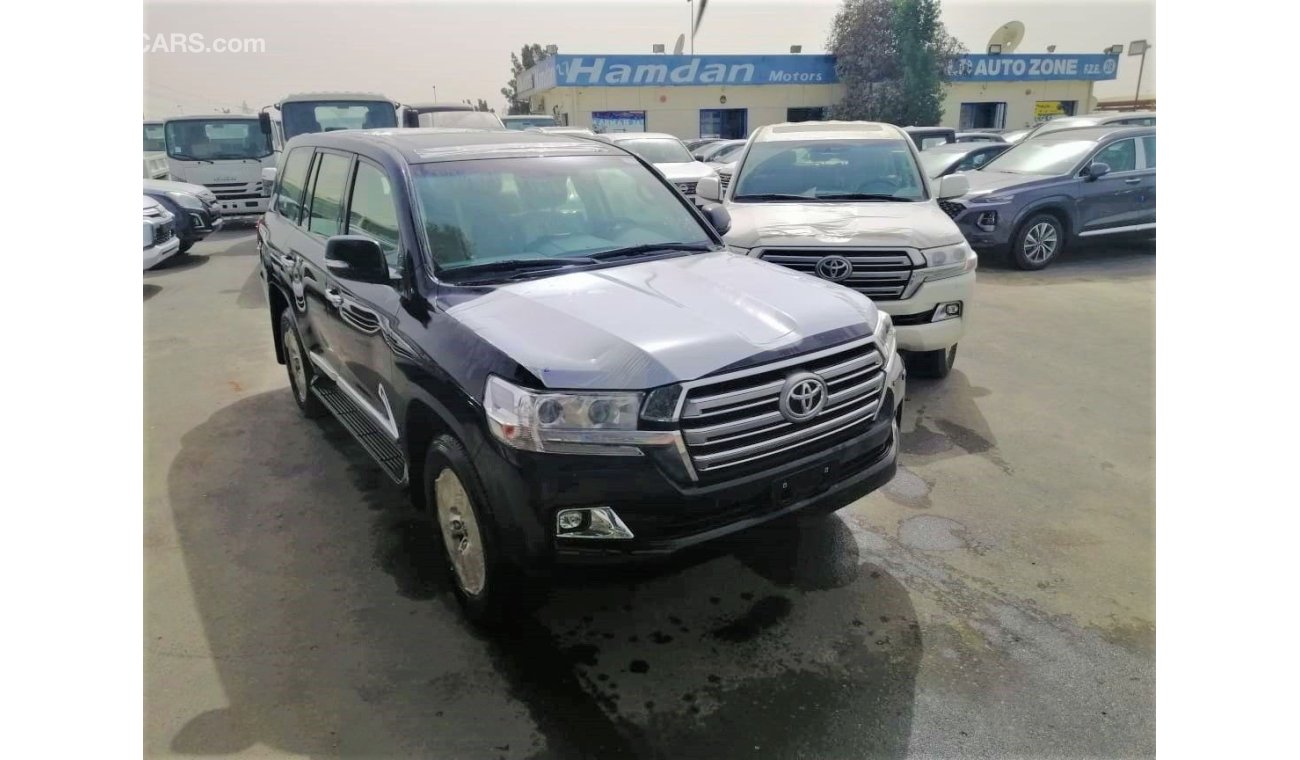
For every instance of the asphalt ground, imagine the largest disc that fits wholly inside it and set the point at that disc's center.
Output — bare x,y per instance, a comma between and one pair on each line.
996,599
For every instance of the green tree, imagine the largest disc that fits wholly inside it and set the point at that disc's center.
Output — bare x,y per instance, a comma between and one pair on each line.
529,56
893,58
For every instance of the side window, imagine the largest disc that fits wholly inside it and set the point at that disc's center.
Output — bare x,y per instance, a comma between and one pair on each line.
1149,147
373,211
327,195
1120,156
288,202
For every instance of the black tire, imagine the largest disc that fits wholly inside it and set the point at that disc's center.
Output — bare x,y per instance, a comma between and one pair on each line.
301,373
186,245
1038,242
502,593
933,364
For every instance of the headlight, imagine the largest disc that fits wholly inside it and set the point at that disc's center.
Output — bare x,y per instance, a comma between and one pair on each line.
886,338
948,261
991,200
738,249
595,422
185,200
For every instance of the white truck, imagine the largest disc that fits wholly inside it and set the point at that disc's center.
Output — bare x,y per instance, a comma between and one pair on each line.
155,151
226,154
309,112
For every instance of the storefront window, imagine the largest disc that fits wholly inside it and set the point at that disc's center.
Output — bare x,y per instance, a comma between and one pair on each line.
724,123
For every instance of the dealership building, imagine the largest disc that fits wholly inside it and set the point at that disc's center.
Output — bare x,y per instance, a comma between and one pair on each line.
731,95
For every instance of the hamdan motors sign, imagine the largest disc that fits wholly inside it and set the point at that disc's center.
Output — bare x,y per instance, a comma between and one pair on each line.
683,70
1027,67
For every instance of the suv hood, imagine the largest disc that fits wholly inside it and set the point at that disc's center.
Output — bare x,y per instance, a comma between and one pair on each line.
862,223
655,323
167,186
985,182
694,170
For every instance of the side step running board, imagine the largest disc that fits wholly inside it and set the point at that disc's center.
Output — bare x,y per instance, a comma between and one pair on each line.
373,439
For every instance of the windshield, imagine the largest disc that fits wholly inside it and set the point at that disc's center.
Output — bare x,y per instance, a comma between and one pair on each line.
658,150
480,211
1041,155
816,168
460,119
309,117
936,162
153,138
216,139
524,122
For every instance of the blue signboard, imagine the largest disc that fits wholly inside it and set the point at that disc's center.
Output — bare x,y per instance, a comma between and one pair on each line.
678,71
1030,67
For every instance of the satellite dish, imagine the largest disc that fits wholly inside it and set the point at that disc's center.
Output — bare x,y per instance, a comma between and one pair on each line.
681,43
1008,36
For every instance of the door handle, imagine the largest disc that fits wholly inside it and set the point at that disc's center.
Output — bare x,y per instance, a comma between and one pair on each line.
334,297
1132,180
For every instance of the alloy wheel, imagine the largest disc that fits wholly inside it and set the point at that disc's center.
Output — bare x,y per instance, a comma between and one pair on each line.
460,533
1040,242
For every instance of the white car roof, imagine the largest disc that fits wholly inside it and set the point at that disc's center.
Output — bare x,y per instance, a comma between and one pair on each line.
301,96
829,130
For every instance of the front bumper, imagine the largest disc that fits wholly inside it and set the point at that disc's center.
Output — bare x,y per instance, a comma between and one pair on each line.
243,206
997,236
202,223
156,254
664,513
931,336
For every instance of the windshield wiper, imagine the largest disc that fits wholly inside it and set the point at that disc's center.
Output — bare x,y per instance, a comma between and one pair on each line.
774,197
187,157
514,265
862,197
636,250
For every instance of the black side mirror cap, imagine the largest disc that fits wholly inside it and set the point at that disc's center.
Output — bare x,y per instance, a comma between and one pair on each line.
718,216
357,258
410,118
264,121
1096,170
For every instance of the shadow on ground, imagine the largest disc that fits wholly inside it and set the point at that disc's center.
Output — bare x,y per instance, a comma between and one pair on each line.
178,263
151,290
328,618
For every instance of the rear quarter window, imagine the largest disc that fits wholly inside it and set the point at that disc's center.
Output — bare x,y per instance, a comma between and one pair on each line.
288,201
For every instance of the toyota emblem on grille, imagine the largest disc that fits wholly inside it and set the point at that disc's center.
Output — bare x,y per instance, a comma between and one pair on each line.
834,268
802,397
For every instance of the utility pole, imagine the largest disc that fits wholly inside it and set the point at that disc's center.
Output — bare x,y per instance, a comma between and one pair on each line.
1138,47
690,24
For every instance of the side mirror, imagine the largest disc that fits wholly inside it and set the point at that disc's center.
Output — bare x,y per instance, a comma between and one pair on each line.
1096,170
709,189
717,215
264,121
953,186
356,258
410,118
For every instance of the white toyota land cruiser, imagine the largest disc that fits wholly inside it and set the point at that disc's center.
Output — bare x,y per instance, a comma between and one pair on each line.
847,201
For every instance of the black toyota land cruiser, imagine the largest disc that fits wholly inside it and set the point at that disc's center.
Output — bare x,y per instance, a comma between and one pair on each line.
556,352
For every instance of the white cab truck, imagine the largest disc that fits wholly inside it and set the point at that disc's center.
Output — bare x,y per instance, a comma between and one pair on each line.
226,154
160,241
848,202
155,151
310,112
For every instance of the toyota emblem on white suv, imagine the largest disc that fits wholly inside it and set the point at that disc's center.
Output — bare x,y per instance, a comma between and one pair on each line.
802,397
834,268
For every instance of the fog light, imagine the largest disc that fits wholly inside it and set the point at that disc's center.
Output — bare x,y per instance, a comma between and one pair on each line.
950,310
593,522
570,519
987,221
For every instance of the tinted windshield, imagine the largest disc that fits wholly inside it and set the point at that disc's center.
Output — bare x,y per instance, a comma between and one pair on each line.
658,150
309,117
153,138
813,168
1041,155
460,119
529,121
727,153
935,162
537,208
216,140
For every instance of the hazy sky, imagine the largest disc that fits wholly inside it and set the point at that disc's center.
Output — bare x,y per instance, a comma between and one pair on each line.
403,49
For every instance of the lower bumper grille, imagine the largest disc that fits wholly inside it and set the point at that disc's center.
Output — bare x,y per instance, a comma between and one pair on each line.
736,425
879,274
951,208
163,232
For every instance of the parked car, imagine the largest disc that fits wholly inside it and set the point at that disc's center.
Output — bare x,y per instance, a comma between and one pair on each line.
943,160
1099,119
160,241
668,155
1039,195
979,136
558,354
928,137
524,121
194,207
449,115
847,201
695,145
722,152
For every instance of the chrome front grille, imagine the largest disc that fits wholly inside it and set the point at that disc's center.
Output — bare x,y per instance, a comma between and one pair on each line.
724,180
880,274
686,188
735,423
236,190
163,232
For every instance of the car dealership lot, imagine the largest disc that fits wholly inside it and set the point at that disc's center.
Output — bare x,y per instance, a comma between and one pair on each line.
996,598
